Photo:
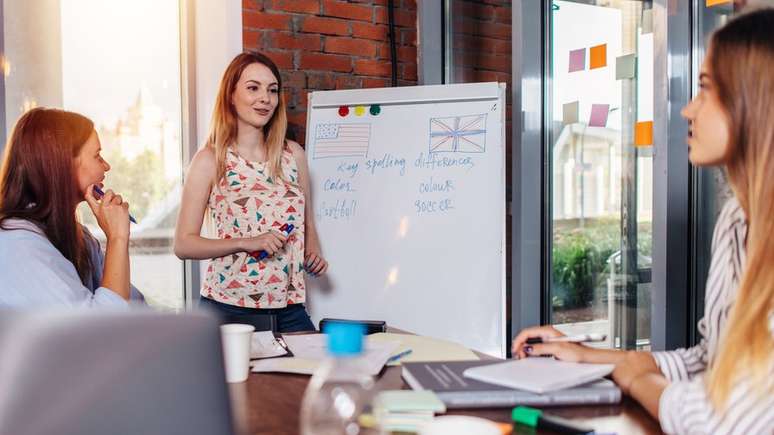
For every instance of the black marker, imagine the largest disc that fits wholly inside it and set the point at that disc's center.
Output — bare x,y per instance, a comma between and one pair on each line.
584,338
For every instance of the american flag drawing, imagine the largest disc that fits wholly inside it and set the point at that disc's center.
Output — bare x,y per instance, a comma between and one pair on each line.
341,140
458,134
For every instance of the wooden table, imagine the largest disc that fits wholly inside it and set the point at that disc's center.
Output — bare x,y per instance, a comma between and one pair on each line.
270,403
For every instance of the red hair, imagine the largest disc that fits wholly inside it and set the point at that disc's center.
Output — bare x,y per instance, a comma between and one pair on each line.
38,181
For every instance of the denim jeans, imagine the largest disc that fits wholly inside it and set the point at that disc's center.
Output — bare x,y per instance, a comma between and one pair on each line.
292,318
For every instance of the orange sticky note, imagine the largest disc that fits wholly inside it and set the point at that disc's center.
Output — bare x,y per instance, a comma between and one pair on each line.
711,3
643,133
598,56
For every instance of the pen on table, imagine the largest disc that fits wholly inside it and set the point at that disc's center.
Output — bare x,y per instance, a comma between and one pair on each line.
398,356
100,194
537,419
583,338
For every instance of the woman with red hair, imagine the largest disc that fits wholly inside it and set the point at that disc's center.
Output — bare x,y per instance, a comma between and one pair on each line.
52,163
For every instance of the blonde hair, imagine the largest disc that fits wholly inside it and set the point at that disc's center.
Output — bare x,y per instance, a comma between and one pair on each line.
223,127
741,61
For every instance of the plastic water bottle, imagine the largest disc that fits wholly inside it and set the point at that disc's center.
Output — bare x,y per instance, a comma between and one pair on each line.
338,397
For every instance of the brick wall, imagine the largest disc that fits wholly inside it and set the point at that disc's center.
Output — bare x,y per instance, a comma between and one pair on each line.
330,44
481,46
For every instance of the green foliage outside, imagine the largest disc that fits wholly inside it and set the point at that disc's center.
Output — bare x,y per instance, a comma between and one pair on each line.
580,260
139,181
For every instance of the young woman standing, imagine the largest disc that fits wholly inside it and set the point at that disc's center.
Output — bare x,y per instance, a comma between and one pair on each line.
252,182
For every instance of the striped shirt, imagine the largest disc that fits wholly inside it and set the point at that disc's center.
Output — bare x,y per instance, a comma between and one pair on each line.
684,407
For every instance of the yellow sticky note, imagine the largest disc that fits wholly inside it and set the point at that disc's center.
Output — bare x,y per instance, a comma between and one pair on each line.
360,110
711,3
598,56
643,133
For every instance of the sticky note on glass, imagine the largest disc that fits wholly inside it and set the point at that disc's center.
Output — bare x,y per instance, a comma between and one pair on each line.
643,134
599,115
570,112
577,60
647,21
598,56
711,3
625,67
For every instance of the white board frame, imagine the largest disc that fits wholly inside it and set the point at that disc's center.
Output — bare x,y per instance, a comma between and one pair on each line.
418,95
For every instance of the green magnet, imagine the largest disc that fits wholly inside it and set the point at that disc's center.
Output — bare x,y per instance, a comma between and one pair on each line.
375,109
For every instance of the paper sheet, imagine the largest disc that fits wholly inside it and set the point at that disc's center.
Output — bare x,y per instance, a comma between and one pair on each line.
424,348
570,112
643,133
309,351
599,114
577,60
598,56
625,67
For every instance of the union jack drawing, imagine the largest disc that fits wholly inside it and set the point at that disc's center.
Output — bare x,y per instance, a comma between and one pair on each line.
458,134
341,140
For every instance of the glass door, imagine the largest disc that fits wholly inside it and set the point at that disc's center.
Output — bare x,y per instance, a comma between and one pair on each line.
598,102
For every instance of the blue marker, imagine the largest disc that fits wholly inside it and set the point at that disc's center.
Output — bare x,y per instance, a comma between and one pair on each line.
100,194
398,356
287,228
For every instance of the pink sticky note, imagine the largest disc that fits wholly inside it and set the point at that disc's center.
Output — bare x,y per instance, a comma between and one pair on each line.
599,115
577,60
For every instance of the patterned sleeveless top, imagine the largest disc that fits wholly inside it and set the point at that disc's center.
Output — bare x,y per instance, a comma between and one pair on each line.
247,202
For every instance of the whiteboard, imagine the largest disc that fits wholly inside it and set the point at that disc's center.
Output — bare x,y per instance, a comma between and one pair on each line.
410,209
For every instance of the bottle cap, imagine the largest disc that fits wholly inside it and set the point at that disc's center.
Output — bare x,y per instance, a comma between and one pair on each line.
345,338
526,416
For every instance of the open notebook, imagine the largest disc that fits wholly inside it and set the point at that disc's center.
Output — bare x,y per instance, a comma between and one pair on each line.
539,375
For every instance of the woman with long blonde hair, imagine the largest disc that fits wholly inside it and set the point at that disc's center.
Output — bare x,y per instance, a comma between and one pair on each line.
725,384
253,183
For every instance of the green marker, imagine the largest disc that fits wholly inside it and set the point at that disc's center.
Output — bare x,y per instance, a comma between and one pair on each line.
535,418
375,109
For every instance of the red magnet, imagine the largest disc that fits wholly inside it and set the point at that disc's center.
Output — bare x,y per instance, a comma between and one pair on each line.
343,111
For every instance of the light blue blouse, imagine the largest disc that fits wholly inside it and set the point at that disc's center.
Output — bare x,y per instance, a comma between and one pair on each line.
34,274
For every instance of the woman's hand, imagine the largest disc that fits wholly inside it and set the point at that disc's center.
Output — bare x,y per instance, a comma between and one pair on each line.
565,351
112,213
634,365
519,346
315,263
270,241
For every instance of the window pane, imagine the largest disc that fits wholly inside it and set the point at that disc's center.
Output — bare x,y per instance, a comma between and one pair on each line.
599,123
119,64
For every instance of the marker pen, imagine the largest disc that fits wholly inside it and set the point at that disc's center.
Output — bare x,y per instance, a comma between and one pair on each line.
286,228
583,338
537,419
100,194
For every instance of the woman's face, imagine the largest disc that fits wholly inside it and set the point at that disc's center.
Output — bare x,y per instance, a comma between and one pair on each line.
708,130
90,167
256,95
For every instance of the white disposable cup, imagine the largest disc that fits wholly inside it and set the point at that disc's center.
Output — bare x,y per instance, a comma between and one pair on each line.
236,339
459,425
